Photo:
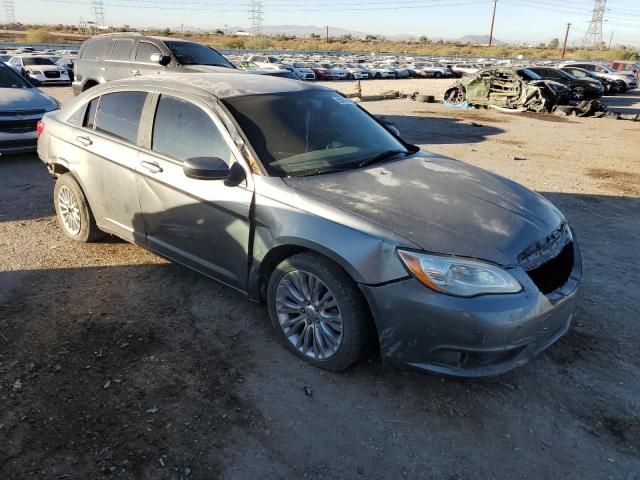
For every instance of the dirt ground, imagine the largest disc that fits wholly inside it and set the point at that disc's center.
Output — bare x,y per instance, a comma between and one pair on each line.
116,364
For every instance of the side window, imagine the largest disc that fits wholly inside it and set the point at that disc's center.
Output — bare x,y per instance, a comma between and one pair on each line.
145,50
90,114
95,49
121,49
119,114
182,130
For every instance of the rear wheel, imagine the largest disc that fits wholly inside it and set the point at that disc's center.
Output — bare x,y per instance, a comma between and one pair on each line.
318,312
437,74
72,211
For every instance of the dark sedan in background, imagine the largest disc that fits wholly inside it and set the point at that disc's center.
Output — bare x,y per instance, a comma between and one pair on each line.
581,88
21,106
298,198
611,86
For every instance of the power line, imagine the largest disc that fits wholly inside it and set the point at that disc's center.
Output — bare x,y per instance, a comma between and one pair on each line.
10,12
593,38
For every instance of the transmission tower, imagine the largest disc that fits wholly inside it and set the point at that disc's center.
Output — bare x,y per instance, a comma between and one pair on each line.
98,12
10,11
255,16
593,37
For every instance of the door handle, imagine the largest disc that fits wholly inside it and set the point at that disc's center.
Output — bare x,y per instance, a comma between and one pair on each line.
86,141
134,72
152,167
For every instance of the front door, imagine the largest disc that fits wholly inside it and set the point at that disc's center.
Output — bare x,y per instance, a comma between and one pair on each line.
199,223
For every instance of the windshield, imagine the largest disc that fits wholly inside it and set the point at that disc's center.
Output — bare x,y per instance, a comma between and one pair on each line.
309,133
299,65
527,74
10,79
188,53
37,61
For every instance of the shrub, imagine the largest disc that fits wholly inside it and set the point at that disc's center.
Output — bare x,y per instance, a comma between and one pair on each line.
39,36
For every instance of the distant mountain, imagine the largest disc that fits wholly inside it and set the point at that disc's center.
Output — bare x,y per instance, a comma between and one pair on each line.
479,39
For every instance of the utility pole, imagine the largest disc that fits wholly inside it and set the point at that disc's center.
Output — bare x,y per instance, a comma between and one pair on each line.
610,39
98,12
566,37
493,20
255,16
327,34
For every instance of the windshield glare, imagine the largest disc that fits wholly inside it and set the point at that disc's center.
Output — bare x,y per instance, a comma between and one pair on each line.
527,74
309,133
188,53
9,79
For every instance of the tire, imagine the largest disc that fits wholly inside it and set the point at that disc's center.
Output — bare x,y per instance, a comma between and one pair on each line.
437,74
378,76
78,224
579,93
355,337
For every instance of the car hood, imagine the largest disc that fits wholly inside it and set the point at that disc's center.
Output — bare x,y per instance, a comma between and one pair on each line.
442,205
209,69
44,68
18,99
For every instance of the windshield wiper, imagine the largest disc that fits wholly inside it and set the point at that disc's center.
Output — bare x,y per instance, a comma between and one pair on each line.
379,157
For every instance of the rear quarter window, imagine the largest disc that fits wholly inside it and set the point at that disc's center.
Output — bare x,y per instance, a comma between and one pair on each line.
95,49
121,50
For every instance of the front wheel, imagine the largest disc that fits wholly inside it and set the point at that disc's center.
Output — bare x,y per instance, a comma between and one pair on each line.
318,312
437,74
579,93
73,212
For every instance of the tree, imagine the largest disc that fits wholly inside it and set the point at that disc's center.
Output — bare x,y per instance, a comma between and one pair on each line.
166,32
555,43
235,43
423,40
219,32
371,37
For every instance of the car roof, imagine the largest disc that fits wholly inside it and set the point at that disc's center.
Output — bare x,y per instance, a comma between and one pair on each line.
221,85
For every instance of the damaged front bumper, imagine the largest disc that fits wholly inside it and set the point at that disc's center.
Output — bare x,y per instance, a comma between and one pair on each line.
470,337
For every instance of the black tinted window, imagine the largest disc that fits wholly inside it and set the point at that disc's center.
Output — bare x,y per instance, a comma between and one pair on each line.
145,50
95,49
121,49
91,113
188,53
37,61
119,114
182,130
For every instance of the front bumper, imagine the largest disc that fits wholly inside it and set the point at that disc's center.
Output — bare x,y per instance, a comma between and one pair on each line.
470,337
13,143
63,79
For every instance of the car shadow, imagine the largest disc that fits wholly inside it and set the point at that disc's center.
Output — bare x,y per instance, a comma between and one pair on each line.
419,129
628,102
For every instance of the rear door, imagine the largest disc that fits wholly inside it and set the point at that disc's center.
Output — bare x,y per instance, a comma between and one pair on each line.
119,59
199,223
107,158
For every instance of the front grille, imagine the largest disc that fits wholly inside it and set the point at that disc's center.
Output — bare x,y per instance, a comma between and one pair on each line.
555,272
18,126
50,74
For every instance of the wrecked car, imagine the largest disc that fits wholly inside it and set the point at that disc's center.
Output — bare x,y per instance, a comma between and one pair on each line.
507,88
300,199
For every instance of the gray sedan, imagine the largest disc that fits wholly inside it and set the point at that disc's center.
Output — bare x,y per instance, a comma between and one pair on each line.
21,107
298,198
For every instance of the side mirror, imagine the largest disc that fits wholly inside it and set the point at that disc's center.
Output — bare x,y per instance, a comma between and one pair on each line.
214,168
206,168
161,59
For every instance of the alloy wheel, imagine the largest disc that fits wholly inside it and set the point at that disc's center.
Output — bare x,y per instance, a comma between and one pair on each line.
69,210
309,315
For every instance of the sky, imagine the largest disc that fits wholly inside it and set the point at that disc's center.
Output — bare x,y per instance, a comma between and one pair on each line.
516,20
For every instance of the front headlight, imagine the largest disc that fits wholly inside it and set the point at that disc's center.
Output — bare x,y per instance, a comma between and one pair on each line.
458,276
